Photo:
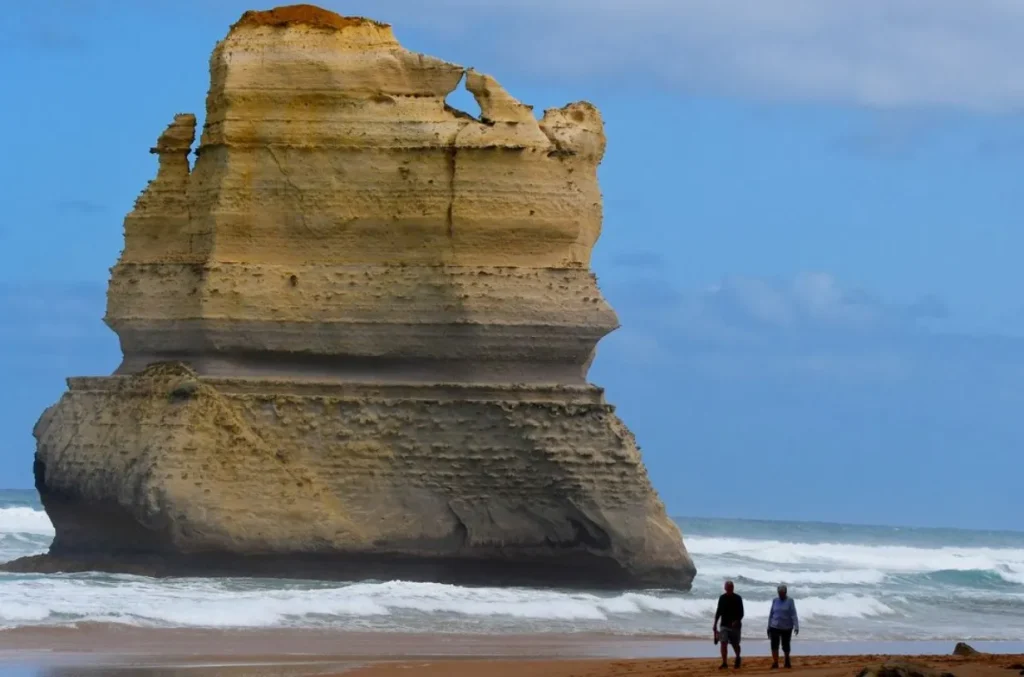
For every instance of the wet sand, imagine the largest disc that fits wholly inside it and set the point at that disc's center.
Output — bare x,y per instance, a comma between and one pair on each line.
987,666
286,666
93,650
812,666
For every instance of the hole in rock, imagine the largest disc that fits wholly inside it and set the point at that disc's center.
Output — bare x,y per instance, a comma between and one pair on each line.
461,99
193,156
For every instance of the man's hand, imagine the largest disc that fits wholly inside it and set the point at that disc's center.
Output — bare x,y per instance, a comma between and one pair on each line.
769,633
796,631
715,630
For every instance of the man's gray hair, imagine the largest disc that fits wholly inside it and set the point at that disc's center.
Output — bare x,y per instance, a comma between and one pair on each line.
782,588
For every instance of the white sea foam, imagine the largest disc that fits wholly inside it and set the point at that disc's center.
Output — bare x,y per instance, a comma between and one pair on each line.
843,591
880,558
17,613
844,605
208,603
717,570
1012,574
23,520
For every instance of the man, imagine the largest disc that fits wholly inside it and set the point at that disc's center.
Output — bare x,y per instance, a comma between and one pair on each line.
782,625
730,613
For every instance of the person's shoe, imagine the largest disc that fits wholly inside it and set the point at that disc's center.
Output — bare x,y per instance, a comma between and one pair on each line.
775,665
788,664
737,663
723,666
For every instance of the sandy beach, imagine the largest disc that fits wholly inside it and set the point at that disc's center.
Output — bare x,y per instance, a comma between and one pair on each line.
985,665
818,666
121,650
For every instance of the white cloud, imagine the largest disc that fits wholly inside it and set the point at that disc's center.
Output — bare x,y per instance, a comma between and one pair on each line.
807,306
869,367
809,301
808,326
880,53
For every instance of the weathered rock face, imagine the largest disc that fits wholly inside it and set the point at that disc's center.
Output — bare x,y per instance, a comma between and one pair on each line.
356,336
341,212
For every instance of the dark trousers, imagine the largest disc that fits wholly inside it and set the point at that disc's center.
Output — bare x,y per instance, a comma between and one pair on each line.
778,636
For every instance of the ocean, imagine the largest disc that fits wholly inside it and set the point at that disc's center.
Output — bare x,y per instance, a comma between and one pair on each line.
849,582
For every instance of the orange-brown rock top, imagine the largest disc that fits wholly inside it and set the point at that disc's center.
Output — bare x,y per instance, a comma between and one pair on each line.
307,15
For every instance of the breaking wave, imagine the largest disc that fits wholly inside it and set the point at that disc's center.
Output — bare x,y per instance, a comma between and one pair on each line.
23,520
211,603
872,584
850,564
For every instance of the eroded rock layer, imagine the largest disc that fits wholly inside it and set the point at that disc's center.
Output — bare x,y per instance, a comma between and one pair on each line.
356,336
484,482
340,208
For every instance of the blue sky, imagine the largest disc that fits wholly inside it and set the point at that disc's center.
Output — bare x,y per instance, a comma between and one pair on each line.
813,218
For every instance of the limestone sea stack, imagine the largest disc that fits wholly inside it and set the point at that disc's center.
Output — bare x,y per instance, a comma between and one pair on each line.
356,337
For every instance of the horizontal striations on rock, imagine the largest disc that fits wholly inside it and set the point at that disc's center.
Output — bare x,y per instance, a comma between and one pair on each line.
340,208
356,335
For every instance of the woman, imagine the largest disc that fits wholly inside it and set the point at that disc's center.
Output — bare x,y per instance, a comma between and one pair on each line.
782,625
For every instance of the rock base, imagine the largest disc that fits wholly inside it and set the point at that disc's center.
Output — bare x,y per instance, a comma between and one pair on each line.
168,473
